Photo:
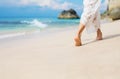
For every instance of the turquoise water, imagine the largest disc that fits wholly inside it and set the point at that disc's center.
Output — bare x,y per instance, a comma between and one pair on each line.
16,26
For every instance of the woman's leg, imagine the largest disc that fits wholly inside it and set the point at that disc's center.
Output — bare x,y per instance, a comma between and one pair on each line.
99,35
78,36
79,33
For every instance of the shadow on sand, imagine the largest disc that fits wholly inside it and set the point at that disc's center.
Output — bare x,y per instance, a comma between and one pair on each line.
104,38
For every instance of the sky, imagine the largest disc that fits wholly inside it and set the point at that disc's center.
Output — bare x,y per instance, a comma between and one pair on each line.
40,8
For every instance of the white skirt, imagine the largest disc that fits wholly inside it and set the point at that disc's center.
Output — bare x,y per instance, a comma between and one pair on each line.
91,15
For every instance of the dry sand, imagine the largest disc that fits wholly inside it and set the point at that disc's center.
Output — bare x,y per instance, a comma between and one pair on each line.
54,56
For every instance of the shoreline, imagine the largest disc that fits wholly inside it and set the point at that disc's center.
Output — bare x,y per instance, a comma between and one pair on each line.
12,36
48,33
16,33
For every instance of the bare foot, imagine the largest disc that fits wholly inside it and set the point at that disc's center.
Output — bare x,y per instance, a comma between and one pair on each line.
99,35
78,41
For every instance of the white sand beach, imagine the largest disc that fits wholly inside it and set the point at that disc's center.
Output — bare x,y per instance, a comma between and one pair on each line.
54,56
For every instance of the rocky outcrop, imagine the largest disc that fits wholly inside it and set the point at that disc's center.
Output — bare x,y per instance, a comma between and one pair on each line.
68,14
115,13
113,10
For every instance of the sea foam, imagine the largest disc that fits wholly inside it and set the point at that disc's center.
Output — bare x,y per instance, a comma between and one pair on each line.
35,23
11,35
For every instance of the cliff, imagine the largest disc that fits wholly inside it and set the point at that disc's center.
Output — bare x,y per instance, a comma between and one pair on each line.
113,10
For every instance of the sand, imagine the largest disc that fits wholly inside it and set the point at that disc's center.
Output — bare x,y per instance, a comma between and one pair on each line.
54,56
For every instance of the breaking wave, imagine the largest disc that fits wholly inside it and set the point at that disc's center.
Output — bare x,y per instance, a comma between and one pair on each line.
35,22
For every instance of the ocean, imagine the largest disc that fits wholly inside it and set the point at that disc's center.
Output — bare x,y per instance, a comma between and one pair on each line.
13,27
